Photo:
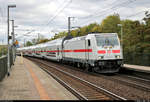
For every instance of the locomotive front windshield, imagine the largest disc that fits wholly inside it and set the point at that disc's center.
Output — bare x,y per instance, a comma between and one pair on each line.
107,40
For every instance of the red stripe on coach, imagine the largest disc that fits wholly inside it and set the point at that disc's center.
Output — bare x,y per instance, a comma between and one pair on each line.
115,51
83,50
67,51
101,51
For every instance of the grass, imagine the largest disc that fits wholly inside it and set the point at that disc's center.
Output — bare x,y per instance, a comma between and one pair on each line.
3,49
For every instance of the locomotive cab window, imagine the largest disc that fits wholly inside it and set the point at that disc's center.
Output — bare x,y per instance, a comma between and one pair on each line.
107,41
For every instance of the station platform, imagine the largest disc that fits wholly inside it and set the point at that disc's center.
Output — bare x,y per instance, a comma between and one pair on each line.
145,69
29,82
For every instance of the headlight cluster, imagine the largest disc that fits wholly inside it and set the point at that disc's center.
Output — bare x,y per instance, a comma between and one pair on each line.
101,57
118,56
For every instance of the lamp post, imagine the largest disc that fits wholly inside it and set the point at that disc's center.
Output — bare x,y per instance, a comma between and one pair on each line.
121,34
12,34
8,56
13,40
69,24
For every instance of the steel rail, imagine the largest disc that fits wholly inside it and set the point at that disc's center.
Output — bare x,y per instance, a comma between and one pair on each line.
100,89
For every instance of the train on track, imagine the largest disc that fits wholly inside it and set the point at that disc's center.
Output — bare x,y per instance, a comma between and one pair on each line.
100,52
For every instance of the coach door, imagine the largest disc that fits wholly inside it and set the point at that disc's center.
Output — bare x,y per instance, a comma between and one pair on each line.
58,54
87,49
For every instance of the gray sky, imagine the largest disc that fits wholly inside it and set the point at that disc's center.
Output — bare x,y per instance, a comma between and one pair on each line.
49,16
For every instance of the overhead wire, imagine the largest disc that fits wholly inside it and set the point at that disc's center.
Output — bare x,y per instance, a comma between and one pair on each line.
137,13
96,11
90,14
106,10
59,12
52,16
31,31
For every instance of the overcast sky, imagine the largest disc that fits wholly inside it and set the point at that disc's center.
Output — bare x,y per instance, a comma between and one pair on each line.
49,16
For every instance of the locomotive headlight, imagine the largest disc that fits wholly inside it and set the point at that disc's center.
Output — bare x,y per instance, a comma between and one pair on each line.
101,57
118,56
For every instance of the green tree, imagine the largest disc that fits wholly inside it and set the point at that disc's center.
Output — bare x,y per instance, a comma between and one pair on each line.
29,43
43,41
109,24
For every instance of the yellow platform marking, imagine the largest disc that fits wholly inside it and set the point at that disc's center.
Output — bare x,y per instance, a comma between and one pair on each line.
43,94
21,58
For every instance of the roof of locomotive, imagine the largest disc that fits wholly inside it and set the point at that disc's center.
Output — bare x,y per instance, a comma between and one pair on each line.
91,35
106,34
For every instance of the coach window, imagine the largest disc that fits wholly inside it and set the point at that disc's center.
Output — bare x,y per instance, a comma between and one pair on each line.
57,51
89,43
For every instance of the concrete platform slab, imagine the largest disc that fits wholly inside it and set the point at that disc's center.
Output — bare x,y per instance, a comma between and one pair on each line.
29,82
139,68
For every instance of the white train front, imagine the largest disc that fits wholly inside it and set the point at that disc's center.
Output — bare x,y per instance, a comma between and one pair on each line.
100,52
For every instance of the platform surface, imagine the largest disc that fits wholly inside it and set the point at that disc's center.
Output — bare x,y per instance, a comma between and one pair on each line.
29,82
138,68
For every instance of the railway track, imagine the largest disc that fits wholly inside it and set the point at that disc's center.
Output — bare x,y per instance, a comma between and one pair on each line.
115,86
138,83
128,80
82,89
142,80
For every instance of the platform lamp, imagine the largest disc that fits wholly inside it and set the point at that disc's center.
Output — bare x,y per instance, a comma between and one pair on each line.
13,39
69,25
9,37
121,34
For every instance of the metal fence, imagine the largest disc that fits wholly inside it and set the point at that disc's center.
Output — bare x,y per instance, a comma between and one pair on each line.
137,59
3,65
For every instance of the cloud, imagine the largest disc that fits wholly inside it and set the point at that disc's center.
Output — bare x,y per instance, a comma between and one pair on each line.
36,14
